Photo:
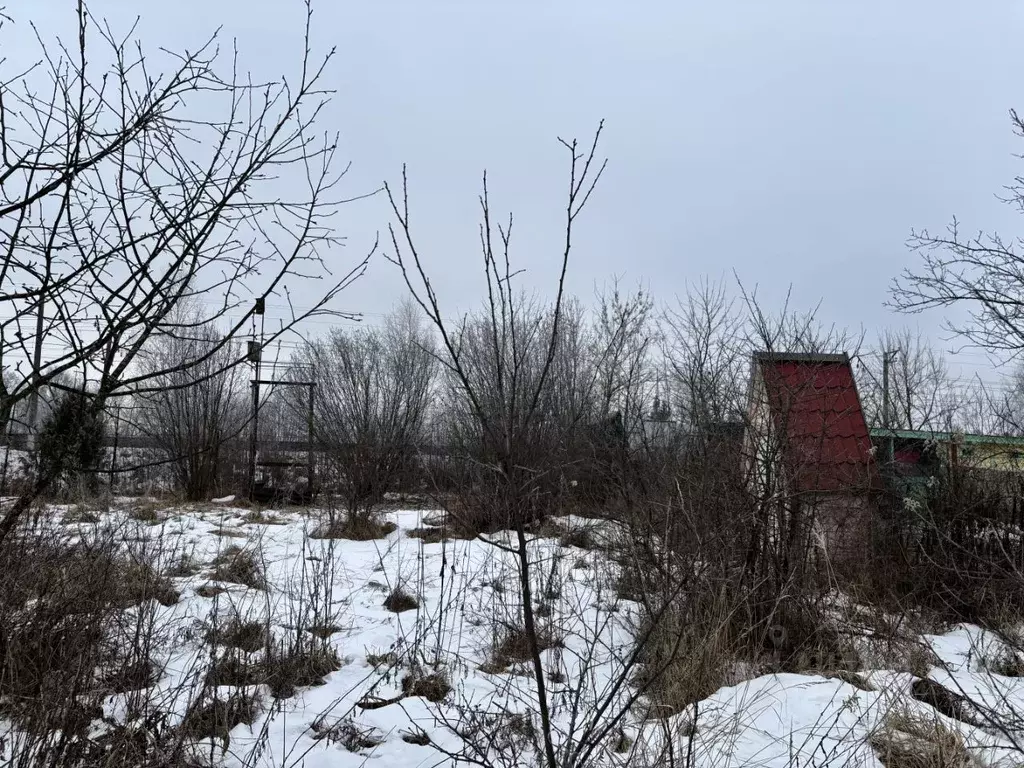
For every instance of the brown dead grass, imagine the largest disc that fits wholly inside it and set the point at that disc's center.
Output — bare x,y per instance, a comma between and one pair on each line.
210,591
399,601
429,535
352,737
260,517
289,667
433,687
511,645
216,718
354,528
240,566
246,636
915,740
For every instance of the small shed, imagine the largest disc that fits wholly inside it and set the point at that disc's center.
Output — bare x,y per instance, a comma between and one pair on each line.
809,454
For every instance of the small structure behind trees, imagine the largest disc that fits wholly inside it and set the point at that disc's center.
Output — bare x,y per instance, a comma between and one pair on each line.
810,461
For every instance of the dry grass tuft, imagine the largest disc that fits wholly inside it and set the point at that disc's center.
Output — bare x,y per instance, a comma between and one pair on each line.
240,566
235,670
354,528
323,631
210,591
383,659
139,582
433,687
688,654
289,667
1004,662
399,600
429,535
246,636
131,676
418,737
80,515
183,567
915,740
260,517
349,735
580,536
852,678
512,645
147,513
216,718
622,742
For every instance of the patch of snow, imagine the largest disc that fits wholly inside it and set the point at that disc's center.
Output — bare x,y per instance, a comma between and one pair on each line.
465,590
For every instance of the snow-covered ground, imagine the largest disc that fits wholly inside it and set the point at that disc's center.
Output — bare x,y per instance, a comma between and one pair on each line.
467,592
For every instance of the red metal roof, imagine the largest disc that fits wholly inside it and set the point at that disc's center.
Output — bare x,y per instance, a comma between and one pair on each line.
814,404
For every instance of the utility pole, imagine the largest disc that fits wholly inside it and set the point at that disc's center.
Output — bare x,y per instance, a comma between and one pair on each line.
887,355
885,389
255,356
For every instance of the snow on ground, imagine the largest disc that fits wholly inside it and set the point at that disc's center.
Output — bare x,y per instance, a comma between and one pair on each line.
467,589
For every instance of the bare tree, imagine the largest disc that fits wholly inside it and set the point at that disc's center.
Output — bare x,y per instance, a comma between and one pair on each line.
373,393
994,411
983,275
920,394
517,375
128,188
705,353
789,330
625,338
192,414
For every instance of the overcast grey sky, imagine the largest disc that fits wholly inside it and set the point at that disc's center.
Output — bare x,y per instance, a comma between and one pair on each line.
793,142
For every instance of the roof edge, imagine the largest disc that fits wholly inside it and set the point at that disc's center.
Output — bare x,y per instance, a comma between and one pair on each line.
801,357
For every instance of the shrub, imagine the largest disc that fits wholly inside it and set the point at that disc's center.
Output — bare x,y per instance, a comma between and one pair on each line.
66,642
71,440
955,552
